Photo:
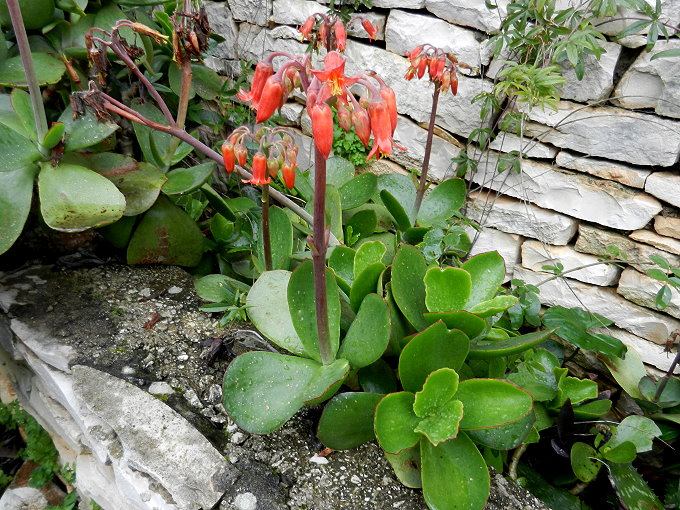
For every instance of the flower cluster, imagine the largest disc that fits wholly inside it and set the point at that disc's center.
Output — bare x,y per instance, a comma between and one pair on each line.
440,65
330,32
276,153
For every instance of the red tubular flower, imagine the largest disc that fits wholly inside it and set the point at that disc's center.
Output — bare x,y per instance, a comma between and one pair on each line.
307,27
379,114
270,100
344,118
288,172
422,65
322,128
259,168
370,28
388,95
241,154
441,65
228,156
362,125
262,73
340,35
414,53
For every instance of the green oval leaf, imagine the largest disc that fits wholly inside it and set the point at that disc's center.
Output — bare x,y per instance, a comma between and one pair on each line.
166,235
358,190
468,323
74,198
584,462
274,322
454,475
16,191
493,306
302,306
440,203
17,151
186,180
219,288
85,131
347,420
434,348
487,272
408,287
366,254
396,209
341,261
406,465
48,69
262,390
365,283
491,403
367,337
505,437
378,377
395,421
53,135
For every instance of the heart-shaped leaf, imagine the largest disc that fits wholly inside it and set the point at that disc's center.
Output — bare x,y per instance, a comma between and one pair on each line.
262,390
347,420
302,306
16,190
367,337
358,190
408,287
639,430
443,425
440,203
454,475
166,235
74,198
446,289
439,388
487,272
267,307
491,403
436,347
395,422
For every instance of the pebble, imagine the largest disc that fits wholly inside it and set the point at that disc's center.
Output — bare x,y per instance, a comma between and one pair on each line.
238,437
318,460
126,370
245,501
355,480
174,290
160,388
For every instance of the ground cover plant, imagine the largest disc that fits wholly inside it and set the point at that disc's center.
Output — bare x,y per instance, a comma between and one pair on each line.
366,286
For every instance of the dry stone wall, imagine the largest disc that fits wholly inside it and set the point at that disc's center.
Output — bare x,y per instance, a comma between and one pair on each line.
601,170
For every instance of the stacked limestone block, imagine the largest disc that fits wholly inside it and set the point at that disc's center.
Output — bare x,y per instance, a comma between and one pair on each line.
600,170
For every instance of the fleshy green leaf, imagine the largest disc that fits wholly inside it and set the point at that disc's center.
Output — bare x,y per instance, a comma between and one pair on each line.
218,288
358,190
434,348
280,239
408,287
366,283
440,203
17,151
406,465
485,349
584,462
627,371
535,374
632,490
347,420
494,306
443,425
487,272
576,390
16,190
592,410
341,261
454,475
621,453
446,289
74,198
302,306
367,337
186,180
468,323
48,69
166,235
367,254
85,131
638,430
395,421
21,103
267,307
262,390
439,388
505,437
400,187
491,403
378,377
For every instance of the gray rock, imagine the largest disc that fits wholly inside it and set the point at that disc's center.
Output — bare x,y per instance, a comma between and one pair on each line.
523,218
222,23
586,198
405,31
625,174
663,243
256,12
23,498
535,255
598,78
612,133
642,290
531,148
594,240
665,186
471,13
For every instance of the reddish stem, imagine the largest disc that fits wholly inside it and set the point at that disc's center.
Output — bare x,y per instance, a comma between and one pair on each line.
428,151
319,244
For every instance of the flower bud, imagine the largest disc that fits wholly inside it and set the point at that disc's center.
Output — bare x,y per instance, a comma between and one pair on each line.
370,28
228,156
307,27
340,35
241,154
259,169
344,118
270,100
288,172
263,72
322,128
422,65
362,125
